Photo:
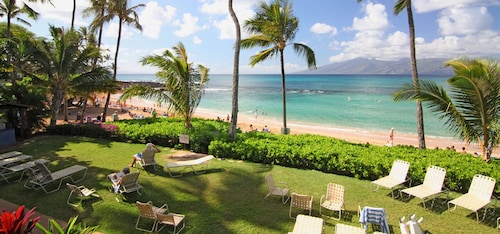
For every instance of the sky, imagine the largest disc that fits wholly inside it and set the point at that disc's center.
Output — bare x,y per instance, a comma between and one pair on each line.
336,30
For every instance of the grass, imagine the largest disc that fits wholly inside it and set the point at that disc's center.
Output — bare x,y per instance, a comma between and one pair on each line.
226,199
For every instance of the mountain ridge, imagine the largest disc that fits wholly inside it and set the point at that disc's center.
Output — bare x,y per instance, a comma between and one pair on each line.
363,66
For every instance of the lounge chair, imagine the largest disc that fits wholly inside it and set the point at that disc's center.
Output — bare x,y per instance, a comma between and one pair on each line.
7,173
128,183
7,162
333,200
148,158
199,162
396,177
9,154
432,186
282,190
308,224
81,192
375,216
341,228
300,201
478,196
41,177
160,216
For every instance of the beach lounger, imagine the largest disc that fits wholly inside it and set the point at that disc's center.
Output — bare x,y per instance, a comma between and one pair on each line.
200,162
478,196
8,172
432,186
41,177
148,158
161,217
396,177
308,224
81,192
14,160
9,154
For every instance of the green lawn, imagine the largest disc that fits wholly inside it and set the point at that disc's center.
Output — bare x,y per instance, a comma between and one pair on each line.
227,199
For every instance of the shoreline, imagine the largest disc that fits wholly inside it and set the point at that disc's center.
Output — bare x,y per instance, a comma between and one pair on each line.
379,138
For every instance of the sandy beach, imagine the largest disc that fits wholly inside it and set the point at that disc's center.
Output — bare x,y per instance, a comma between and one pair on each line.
244,121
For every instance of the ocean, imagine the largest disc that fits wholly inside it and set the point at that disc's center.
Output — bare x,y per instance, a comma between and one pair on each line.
361,102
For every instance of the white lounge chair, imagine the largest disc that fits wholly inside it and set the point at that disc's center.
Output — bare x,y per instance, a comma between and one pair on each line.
396,177
432,186
479,195
41,177
307,224
193,164
9,154
282,190
333,200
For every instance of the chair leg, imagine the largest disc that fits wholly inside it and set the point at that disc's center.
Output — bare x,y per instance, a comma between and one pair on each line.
142,229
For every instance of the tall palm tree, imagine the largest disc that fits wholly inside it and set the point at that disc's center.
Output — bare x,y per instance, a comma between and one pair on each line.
275,26
236,73
126,15
472,109
64,65
184,82
10,9
398,8
73,13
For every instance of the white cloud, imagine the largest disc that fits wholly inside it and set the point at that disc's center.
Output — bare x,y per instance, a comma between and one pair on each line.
197,40
461,20
320,28
188,25
153,17
432,5
61,11
374,19
243,11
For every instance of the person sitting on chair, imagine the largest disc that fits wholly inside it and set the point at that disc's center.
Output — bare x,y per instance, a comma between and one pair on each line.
149,147
116,178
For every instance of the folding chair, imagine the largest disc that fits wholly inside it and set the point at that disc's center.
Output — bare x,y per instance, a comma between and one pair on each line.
333,200
81,192
397,176
432,186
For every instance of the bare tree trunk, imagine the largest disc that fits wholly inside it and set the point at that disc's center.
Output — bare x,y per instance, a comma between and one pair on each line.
236,65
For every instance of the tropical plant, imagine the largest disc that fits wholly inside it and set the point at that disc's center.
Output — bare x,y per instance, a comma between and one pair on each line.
398,8
275,25
64,65
72,228
17,222
126,15
184,84
11,9
472,109
236,73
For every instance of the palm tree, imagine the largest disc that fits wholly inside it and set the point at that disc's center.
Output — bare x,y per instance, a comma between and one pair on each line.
64,65
472,109
236,65
275,25
398,8
184,83
10,9
126,15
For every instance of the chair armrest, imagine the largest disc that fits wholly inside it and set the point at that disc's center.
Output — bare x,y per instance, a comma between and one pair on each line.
321,199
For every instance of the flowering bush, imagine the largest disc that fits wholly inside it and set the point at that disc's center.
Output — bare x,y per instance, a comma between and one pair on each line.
17,222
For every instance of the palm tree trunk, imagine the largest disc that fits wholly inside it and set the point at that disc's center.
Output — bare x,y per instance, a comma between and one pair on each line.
120,23
414,74
284,130
236,65
73,15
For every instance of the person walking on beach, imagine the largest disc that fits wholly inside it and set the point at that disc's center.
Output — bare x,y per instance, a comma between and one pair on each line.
391,137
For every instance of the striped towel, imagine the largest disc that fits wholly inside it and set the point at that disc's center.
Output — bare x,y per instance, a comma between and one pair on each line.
375,216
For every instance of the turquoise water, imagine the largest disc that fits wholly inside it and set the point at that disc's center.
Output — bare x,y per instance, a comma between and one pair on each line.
344,101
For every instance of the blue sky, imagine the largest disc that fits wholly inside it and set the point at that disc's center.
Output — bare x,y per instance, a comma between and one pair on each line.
337,30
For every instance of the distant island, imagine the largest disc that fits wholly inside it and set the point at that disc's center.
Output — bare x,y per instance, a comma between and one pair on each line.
363,66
